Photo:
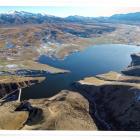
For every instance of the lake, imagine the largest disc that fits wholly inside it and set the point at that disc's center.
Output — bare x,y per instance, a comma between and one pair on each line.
94,60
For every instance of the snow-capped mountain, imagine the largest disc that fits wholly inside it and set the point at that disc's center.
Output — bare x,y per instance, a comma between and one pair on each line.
22,17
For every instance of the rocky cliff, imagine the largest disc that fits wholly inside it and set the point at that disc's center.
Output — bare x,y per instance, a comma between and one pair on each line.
114,98
134,68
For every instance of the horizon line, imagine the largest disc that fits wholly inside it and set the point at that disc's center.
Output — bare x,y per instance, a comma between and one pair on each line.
42,13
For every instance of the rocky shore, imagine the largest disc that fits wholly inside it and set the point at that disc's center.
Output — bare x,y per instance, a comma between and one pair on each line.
108,101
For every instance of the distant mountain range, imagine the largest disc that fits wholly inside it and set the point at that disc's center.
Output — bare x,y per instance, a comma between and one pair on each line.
126,17
22,17
130,17
26,18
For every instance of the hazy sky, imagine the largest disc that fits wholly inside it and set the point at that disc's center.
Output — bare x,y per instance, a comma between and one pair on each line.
64,11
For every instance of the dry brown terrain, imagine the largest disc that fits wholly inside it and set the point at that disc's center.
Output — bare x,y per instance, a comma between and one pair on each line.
61,112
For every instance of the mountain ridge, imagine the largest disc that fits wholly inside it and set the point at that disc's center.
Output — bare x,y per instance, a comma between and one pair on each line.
23,17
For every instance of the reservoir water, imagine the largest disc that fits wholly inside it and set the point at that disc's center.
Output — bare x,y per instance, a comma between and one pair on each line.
93,60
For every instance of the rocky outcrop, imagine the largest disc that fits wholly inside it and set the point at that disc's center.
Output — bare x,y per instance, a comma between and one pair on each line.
114,98
134,68
135,59
66,111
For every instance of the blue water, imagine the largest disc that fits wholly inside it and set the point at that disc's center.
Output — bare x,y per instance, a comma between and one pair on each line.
93,60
